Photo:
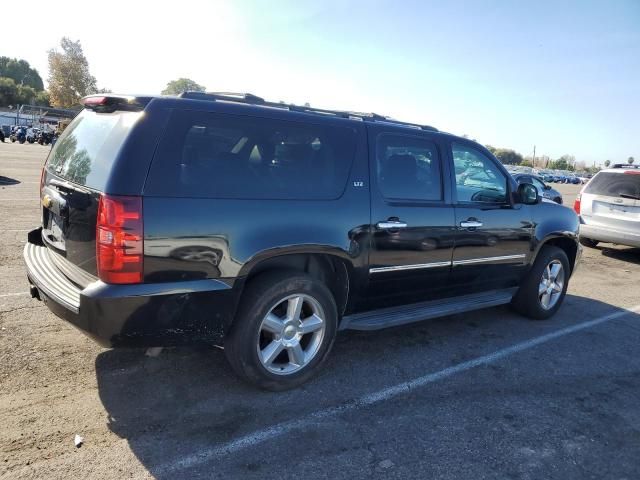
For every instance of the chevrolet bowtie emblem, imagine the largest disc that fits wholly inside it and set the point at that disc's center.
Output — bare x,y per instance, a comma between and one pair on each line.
46,201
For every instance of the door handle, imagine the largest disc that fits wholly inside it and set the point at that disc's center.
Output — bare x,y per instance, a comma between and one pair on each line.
471,223
391,224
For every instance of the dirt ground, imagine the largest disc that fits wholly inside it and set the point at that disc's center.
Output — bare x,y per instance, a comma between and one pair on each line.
566,408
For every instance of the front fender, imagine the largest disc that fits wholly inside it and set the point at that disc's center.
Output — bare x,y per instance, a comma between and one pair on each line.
557,225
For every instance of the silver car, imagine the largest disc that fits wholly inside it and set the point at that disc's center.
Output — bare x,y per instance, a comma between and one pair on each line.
609,207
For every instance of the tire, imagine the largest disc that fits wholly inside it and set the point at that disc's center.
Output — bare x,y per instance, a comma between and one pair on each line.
528,300
251,336
587,242
558,200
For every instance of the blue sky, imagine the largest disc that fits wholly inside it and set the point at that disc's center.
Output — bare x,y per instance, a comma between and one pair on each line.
564,76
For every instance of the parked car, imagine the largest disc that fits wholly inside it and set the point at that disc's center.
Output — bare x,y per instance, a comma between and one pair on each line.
268,228
609,207
546,190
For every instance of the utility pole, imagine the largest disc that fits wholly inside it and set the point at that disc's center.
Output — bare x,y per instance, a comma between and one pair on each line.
534,156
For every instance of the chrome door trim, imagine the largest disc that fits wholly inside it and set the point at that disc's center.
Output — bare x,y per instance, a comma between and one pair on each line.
489,259
397,268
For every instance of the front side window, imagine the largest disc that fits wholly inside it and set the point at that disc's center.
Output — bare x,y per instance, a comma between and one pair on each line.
209,155
478,178
408,168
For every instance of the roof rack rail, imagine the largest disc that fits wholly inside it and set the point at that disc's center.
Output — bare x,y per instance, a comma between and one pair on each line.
250,99
624,165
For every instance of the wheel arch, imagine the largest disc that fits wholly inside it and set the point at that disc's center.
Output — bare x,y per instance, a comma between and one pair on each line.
335,271
567,243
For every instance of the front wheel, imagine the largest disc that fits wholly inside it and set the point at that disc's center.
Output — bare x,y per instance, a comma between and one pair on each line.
284,330
543,290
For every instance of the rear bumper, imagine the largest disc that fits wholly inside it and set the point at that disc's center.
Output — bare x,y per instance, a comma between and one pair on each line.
607,234
142,315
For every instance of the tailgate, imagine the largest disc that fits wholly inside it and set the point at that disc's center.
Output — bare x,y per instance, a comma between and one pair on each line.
75,175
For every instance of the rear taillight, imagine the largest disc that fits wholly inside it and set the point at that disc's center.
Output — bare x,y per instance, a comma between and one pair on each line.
119,239
576,204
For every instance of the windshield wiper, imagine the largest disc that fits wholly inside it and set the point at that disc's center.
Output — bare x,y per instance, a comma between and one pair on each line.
633,197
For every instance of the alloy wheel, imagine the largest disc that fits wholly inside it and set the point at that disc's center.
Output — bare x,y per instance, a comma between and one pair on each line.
291,334
551,285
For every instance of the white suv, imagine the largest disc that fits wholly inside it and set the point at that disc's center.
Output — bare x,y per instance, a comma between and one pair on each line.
609,207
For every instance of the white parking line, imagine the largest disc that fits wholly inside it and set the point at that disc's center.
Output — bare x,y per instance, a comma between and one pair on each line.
269,433
13,294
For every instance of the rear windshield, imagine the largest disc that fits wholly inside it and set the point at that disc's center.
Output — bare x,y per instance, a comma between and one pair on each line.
225,156
87,148
623,184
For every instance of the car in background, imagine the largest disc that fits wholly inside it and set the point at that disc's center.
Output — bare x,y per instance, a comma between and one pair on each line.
547,177
609,207
545,190
571,178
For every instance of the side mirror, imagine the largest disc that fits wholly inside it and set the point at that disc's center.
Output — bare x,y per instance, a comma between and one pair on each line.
528,194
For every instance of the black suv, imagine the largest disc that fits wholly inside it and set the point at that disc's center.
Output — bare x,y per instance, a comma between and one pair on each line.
269,227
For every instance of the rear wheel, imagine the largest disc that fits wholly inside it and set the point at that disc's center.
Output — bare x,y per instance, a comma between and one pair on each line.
587,242
543,290
284,330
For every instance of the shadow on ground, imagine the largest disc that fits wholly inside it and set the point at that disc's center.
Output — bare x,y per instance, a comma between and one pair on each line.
4,181
629,254
187,400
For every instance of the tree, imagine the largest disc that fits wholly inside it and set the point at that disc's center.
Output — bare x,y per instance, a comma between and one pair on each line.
508,156
25,94
630,160
607,163
42,99
8,92
176,87
21,73
69,76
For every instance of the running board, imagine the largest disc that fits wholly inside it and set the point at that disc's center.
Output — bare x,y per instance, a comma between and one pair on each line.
394,316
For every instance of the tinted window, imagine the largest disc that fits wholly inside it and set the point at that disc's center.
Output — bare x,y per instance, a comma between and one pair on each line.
615,184
478,178
408,168
226,156
87,148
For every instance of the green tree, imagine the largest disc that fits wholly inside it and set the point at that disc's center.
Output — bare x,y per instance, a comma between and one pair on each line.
630,160
21,73
69,76
8,92
176,87
508,156
42,99
25,94
607,163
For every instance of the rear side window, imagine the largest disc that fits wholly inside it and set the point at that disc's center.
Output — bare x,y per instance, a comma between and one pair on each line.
225,156
86,150
623,184
408,168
